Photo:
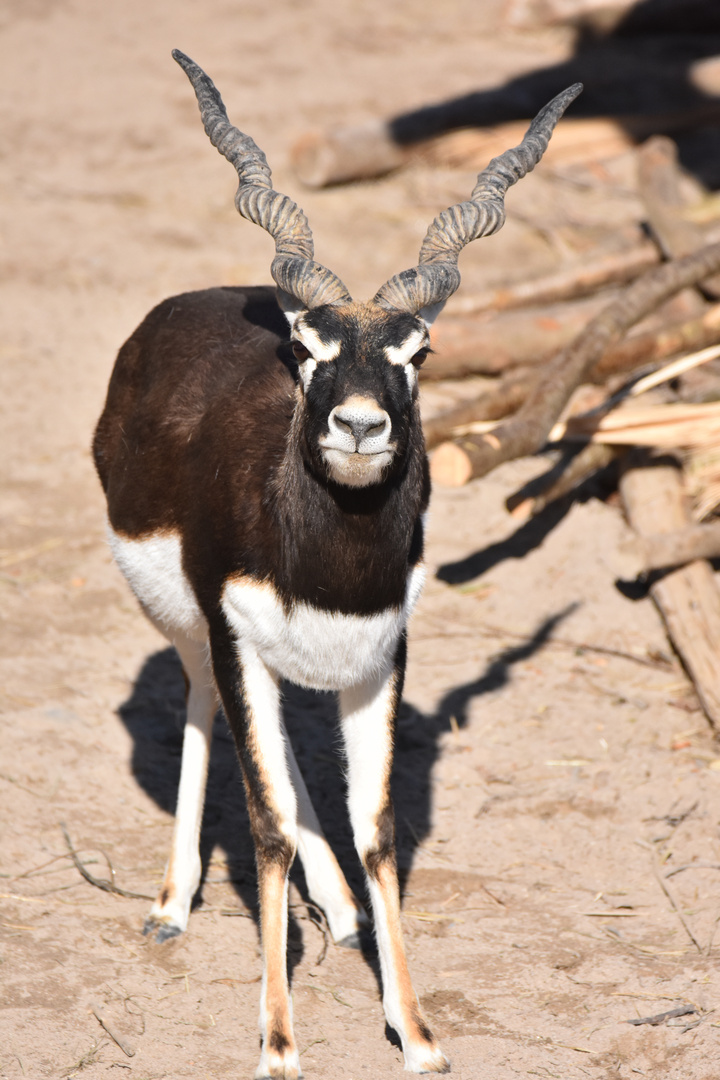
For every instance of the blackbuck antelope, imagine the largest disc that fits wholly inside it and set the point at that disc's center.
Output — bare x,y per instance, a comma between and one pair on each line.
266,492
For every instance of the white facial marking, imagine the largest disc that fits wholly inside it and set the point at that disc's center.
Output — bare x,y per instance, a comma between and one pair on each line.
307,370
403,354
313,343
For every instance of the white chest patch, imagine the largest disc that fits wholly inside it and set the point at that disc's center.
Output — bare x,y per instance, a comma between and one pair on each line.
322,650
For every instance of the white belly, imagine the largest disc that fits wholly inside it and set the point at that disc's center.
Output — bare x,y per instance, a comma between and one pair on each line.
319,649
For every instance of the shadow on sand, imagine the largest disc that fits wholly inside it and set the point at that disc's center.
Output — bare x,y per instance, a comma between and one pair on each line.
154,715
644,66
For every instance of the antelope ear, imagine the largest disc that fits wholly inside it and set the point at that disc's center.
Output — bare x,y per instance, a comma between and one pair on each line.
430,313
290,306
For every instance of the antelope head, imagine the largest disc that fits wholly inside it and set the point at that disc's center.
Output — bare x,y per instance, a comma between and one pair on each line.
358,361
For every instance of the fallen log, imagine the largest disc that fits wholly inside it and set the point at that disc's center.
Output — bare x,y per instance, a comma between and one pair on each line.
688,598
492,345
648,348
514,388
589,460
342,154
494,404
659,179
527,432
569,284
657,551
468,347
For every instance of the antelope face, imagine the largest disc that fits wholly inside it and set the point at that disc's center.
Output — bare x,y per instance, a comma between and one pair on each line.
358,372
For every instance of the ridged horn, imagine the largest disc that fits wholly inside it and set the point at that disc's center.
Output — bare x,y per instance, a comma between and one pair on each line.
293,269
437,276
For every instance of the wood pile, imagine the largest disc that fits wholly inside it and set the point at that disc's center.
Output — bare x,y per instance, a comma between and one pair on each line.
572,359
619,399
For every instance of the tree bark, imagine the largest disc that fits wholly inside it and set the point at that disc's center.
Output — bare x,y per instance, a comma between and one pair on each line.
688,598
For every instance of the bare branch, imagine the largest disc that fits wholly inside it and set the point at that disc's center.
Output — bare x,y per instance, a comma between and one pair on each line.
99,883
527,432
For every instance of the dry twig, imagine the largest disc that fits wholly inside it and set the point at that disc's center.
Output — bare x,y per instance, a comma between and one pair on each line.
660,1018
671,898
693,866
99,883
319,922
127,1048
583,646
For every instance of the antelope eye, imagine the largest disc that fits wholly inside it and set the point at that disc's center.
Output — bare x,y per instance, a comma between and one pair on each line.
300,352
420,355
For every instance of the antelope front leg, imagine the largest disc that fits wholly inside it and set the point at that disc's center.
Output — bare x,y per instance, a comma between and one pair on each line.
368,720
252,704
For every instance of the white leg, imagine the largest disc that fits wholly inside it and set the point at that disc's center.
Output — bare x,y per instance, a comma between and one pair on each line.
169,914
325,880
368,715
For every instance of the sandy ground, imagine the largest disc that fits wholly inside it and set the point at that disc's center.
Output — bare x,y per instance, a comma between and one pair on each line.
540,800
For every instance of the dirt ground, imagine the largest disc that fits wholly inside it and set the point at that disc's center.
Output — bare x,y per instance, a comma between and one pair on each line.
552,766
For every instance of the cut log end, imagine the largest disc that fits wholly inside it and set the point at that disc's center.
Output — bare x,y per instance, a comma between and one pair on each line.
450,465
321,159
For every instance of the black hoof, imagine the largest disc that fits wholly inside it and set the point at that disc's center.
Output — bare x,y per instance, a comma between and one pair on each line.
160,931
363,940
352,941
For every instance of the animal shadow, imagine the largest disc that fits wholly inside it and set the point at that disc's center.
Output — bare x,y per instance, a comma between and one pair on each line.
154,715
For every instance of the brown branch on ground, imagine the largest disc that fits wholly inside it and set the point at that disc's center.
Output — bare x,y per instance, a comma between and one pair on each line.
99,883
513,388
127,1048
568,284
659,179
527,432
660,1018
591,459
693,866
341,154
688,598
660,550
504,398
490,345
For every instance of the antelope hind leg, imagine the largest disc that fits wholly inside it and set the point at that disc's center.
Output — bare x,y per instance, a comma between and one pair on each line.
326,882
169,914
